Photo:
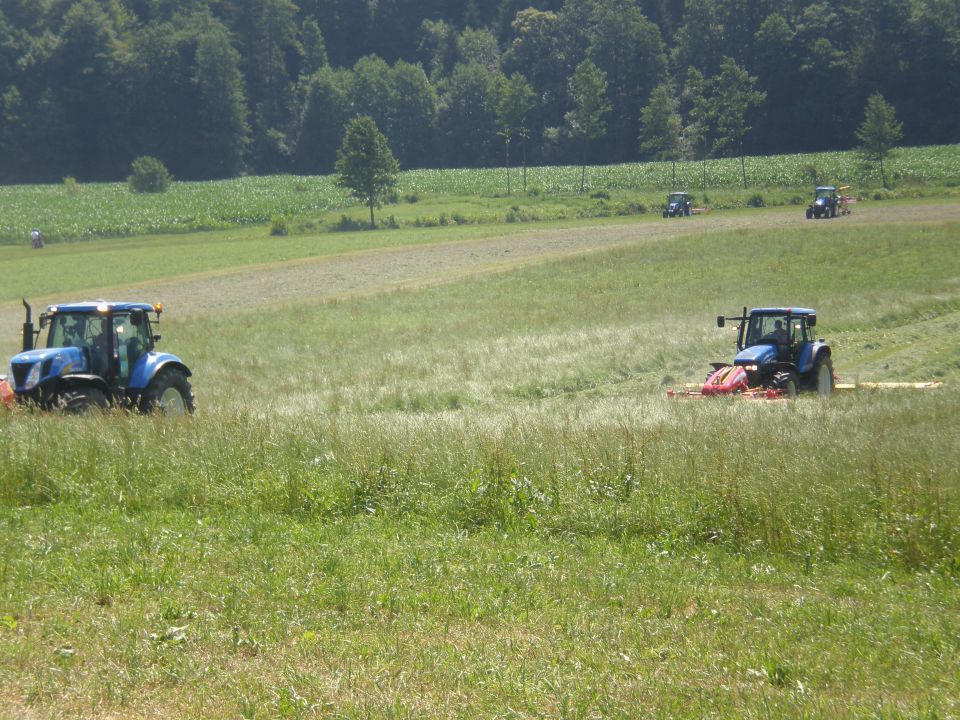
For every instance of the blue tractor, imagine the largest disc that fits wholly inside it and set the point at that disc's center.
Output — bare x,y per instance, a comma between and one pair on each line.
99,354
826,203
777,354
679,204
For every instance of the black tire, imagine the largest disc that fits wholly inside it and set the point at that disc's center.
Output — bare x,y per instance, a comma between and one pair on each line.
786,381
169,393
81,401
809,214
666,214
822,376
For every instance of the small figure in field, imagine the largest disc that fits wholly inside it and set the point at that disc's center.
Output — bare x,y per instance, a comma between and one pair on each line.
36,239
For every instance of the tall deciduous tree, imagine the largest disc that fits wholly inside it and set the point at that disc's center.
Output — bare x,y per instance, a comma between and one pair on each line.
465,119
879,132
661,128
412,115
365,164
512,98
588,90
629,49
326,109
734,95
223,109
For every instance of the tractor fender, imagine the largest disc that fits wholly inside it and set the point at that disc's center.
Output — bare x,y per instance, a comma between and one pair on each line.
776,367
150,364
808,355
69,382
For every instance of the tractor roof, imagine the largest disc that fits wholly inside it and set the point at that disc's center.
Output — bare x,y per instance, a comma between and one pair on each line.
825,187
782,311
91,306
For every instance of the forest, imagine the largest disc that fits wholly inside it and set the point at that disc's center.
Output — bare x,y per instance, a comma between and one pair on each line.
222,88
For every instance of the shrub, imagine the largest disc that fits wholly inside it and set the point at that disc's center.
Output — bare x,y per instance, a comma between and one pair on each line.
71,185
279,225
149,176
600,195
349,224
755,200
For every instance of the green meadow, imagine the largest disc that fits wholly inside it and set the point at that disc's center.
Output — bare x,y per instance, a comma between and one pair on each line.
472,498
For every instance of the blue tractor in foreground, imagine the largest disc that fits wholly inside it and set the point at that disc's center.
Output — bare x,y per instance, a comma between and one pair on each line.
98,354
777,356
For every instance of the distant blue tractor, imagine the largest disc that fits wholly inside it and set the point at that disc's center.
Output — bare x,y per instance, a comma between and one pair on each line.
826,203
679,204
99,354
776,354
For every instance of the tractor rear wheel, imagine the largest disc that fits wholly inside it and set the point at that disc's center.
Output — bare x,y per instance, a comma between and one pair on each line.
823,376
169,393
786,381
83,400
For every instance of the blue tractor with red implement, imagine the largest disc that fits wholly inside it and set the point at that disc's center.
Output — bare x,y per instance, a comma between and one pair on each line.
777,356
96,355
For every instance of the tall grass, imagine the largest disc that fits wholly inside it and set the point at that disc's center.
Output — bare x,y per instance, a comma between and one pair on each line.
474,500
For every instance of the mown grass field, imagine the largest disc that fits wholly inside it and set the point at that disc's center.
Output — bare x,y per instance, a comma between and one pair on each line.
472,499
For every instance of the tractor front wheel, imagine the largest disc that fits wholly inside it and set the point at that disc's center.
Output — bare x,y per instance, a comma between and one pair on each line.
83,400
823,376
786,382
169,393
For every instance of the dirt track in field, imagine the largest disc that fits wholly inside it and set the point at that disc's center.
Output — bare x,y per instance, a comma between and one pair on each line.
375,271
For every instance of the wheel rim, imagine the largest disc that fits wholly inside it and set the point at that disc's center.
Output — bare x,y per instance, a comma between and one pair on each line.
823,380
171,402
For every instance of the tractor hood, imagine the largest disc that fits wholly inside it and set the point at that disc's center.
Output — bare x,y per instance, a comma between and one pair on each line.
756,355
820,202
29,369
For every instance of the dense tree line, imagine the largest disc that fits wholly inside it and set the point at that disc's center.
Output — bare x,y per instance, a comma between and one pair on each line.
215,88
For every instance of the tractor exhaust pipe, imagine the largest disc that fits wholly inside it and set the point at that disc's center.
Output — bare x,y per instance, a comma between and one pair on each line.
28,328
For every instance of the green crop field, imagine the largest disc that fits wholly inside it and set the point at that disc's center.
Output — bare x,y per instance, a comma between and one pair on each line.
467,494
74,211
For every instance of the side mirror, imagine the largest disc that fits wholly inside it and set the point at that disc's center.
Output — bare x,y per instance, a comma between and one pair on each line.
156,338
811,320
721,320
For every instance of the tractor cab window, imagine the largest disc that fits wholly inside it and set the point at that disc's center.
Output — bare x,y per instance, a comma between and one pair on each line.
66,330
769,329
85,331
132,341
825,193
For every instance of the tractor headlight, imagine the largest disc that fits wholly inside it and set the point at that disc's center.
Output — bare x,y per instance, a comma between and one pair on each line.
750,368
33,378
